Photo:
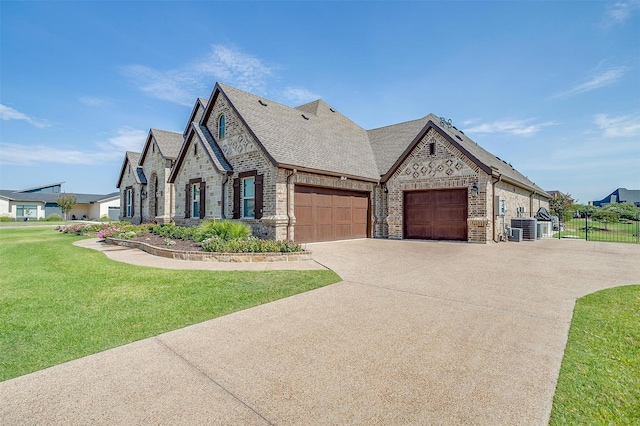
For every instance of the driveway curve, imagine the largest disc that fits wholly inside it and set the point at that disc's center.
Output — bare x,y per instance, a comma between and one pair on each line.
417,333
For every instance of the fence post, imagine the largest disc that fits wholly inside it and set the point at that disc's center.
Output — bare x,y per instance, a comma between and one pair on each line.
586,226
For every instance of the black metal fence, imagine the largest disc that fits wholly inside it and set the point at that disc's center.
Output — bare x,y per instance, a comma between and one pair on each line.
584,227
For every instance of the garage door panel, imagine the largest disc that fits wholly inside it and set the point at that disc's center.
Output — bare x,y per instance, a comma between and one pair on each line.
330,214
344,214
436,214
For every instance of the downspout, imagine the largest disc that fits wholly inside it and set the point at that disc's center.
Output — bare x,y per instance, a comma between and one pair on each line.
493,213
531,203
141,191
289,214
224,183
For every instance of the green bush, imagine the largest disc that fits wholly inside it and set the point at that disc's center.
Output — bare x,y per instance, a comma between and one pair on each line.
225,229
53,218
249,245
105,218
6,218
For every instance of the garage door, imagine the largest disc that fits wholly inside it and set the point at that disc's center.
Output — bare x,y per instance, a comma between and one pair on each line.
324,214
436,214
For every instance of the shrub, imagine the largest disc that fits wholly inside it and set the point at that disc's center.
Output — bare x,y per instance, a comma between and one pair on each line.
225,229
249,245
6,218
54,218
105,218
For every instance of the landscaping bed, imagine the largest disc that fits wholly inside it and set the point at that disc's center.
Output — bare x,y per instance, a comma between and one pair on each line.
212,240
191,250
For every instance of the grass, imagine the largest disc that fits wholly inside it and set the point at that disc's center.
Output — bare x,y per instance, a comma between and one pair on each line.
621,232
599,379
59,302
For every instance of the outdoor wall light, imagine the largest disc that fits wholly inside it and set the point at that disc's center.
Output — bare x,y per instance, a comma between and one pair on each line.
474,190
143,194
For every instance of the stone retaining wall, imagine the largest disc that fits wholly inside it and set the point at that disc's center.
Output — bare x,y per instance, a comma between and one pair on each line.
210,256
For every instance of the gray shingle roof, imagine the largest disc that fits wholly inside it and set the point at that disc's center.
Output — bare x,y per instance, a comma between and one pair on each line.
390,142
313,136
168,142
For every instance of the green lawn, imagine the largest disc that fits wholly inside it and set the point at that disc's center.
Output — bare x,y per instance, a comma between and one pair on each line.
622,232
599,380
59,302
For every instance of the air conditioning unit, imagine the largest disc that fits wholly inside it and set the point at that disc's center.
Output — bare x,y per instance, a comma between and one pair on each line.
515,234
528,225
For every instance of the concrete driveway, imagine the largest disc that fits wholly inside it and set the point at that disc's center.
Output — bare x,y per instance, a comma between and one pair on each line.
417,333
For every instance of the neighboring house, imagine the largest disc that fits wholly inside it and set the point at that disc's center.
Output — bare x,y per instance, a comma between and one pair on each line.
40,203
311,174
620,195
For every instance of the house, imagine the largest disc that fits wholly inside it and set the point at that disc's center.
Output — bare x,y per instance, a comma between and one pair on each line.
149,199
40,203
620,195
311,174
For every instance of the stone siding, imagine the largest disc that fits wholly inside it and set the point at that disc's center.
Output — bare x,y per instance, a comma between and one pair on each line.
129,180
196,165
156,165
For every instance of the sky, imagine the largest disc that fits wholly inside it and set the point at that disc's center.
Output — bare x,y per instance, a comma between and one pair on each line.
552,87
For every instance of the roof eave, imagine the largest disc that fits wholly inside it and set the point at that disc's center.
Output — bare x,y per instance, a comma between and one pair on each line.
326,173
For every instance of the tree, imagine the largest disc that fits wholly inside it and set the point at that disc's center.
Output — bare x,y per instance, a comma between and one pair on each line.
624,210
605,216
66,202
560,205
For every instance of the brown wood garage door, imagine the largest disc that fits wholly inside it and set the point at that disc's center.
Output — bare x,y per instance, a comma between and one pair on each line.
324,214
436,214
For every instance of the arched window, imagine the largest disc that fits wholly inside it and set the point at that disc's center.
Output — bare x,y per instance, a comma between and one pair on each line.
221,126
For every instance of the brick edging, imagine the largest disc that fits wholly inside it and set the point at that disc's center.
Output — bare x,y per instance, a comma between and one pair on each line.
211,256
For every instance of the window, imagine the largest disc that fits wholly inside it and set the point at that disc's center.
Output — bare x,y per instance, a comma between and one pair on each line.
195,149
248,197
128,202
195,193
195,199
432,148
221,127
29,211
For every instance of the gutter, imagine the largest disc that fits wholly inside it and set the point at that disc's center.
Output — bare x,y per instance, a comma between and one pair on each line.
493,215
224,183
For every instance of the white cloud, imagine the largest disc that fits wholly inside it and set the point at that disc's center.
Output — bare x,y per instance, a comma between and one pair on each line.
619,12
600,78
622,126
92,101
7,113
184,84
512,127
125,139
299,95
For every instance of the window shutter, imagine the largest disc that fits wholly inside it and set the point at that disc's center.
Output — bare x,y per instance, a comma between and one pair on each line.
203,191
133,202
258,204
236,198
187,201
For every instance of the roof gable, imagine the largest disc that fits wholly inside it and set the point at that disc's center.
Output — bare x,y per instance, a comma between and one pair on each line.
132,158
214,153
392,145
169,144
